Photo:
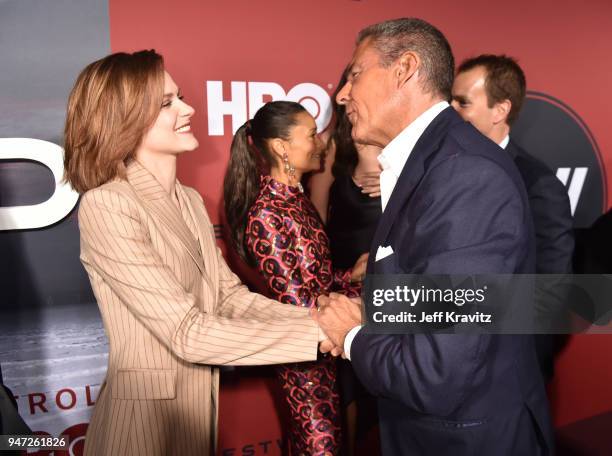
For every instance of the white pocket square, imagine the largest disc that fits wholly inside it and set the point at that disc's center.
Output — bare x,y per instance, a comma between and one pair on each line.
383,252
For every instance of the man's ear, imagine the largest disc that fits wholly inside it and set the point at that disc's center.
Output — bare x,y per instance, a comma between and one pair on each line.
406,67
501,111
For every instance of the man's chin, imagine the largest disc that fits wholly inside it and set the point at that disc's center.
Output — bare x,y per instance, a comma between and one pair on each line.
360,139
357,135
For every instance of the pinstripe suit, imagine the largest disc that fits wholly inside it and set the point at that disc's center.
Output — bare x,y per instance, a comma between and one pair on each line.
168,300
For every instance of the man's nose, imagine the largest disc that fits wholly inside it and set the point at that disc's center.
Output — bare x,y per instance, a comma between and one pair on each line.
343,95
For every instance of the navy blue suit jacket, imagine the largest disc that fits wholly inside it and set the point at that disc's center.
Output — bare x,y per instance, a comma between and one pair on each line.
554,234
458,207
551,213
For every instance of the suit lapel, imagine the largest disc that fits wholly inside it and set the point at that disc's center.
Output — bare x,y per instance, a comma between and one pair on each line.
208,244
512,150
157,200
411,175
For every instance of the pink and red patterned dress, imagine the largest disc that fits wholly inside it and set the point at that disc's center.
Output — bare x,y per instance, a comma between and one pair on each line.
286,238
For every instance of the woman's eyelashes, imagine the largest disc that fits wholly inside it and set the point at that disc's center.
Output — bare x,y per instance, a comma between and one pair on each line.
167,103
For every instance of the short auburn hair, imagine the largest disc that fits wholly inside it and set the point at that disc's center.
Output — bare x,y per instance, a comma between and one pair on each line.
505,81
114,101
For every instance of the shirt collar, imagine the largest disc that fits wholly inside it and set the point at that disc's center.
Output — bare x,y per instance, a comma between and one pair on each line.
504,142
394,156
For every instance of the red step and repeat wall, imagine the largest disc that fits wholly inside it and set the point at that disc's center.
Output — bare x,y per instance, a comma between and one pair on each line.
229,58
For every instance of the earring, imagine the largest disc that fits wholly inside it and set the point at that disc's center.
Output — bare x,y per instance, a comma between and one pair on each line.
290,171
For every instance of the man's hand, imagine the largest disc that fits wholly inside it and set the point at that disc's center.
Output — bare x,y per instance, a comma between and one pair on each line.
327,346
337,315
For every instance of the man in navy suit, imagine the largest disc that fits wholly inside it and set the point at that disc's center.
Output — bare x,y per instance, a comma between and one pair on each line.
488,92
453,203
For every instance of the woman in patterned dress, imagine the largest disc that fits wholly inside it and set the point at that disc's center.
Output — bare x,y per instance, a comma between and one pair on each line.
275,228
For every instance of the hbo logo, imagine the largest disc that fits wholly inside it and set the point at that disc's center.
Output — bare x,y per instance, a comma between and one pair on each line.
248,97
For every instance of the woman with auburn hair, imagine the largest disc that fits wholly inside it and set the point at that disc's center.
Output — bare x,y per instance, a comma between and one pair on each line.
275,227
167,298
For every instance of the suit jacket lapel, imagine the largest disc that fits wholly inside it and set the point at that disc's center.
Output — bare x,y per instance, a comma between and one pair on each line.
411,175
208,242
512,150
157,200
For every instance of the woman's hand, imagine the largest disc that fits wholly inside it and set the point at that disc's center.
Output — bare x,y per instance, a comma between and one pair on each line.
359,270
369,183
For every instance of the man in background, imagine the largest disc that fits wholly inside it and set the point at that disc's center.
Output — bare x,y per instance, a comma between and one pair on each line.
488,92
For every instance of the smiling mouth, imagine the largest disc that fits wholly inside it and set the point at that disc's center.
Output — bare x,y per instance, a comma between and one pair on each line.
184,128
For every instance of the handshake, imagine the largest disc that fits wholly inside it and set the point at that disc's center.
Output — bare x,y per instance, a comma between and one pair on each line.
336,315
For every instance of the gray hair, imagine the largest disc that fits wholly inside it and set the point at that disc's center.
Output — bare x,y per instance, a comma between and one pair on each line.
394,37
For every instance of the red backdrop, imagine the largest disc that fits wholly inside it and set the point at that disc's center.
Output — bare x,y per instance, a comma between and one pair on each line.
563,48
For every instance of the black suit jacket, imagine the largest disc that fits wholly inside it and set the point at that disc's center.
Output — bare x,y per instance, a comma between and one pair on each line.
459,206
594,247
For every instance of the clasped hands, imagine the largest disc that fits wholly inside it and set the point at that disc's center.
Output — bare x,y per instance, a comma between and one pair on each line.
336,315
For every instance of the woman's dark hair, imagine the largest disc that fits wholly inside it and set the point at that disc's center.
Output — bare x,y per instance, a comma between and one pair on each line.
250,157
346,157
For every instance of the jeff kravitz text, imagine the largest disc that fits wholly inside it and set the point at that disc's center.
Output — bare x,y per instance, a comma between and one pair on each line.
435,317
412,296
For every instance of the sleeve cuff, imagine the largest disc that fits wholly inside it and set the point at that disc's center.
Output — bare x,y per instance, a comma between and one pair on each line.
348,341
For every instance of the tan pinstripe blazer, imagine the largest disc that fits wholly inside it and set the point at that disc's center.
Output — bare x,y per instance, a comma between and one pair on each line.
168,301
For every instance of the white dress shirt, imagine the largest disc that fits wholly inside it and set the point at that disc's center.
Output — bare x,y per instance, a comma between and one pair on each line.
392,160
394,156
504,142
